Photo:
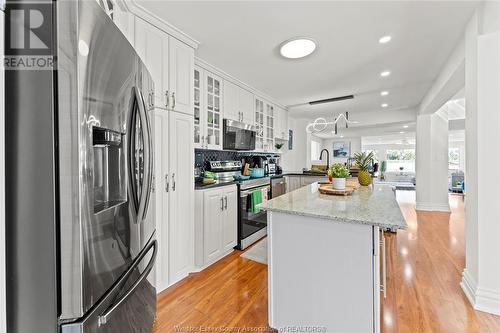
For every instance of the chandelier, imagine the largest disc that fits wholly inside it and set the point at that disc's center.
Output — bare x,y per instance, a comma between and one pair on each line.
320,124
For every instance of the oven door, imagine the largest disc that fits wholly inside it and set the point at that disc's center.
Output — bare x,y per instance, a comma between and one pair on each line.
252,224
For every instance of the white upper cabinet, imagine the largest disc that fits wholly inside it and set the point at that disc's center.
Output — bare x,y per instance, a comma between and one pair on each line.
245,104
238,103
259,123
207,109
152,46
269,132
171,64
281,124
181,66
231,107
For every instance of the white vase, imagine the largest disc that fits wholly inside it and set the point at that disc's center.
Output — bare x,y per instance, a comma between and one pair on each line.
338,183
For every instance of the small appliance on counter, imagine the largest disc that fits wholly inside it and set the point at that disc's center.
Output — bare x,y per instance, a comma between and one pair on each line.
225,171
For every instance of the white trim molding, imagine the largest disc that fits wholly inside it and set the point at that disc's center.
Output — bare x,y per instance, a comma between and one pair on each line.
482,299
432,207
132,6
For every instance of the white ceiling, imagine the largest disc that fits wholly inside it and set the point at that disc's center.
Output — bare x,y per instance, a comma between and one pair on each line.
243,38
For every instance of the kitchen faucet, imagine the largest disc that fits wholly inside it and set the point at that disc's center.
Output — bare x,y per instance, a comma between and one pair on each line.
327,157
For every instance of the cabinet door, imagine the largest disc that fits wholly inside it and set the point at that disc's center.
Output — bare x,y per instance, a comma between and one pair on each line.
198,114
284,124
231,107
230,219
213,208
152,46
181,196
213,113
259,123
245,102
269,127
160,200
180,73
124,20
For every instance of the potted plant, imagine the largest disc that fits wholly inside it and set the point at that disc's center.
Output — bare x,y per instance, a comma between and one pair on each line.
338,173
383,168
364,161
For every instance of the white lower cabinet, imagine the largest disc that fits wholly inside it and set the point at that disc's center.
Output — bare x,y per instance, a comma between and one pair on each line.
174,196
216,220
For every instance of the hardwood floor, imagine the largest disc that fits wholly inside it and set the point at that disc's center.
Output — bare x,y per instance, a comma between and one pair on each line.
425,264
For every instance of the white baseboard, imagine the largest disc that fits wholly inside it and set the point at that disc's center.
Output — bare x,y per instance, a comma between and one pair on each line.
433,207
482,299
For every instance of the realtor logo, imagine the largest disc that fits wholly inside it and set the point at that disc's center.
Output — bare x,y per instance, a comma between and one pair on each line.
29,35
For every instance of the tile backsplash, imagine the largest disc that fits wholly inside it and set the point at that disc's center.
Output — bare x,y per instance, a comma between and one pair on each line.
202,156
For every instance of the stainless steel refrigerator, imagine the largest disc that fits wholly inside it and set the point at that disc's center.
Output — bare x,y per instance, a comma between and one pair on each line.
80,243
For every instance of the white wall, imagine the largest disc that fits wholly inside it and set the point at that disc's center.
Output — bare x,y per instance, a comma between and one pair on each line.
431,163
481,276
300,156
355,148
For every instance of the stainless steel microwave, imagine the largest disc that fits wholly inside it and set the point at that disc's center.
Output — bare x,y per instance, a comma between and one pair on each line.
238,135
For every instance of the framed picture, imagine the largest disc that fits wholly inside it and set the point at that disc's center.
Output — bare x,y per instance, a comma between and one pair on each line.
341,149
290,139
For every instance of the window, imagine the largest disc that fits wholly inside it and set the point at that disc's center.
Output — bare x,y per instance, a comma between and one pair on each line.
401,160
315,150
453,158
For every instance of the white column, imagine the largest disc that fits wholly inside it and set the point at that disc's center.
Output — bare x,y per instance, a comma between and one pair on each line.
481,277
432,162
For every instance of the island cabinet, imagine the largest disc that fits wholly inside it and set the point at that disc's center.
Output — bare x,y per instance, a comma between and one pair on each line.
324,258
216,224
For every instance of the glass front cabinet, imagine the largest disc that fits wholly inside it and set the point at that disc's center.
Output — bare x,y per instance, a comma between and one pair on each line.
207,110
264,124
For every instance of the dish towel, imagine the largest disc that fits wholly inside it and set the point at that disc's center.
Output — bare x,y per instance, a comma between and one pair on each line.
256,199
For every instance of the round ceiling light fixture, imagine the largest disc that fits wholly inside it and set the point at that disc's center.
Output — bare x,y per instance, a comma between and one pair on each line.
298,47
385,73
384,39
384,93
384,105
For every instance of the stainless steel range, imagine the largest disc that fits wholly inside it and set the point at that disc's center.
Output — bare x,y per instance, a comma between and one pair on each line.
252,223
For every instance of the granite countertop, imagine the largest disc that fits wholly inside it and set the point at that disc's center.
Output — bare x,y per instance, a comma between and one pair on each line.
374,206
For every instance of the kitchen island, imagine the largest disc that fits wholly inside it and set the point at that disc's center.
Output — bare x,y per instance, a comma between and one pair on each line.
324,258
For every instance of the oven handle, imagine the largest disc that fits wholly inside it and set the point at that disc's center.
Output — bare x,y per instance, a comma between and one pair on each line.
247,192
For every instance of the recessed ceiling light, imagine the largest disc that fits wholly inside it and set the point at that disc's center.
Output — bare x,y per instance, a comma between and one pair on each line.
384,105
297,48
405,126
341,136
401,132
385,73
385,39
384,93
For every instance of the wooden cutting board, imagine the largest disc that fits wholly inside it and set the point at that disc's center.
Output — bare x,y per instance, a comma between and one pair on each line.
328,189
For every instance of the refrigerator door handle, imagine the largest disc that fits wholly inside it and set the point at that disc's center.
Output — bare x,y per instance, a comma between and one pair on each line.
146,133
103,318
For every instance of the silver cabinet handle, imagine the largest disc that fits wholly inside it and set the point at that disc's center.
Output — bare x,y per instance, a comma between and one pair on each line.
173,100
202,140
225,202
384,266
167,184
173,181
221,203
167,99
